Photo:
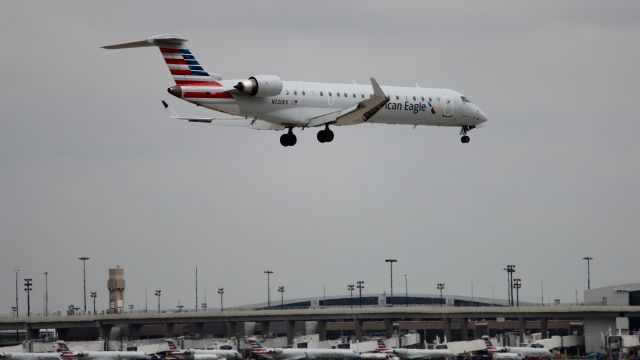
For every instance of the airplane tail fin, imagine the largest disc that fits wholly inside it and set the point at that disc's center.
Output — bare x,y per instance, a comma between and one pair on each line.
183,66
64,350
257,348
173,347
382,347
489,345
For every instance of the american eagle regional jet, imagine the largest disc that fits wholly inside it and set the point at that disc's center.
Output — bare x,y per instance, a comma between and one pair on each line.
265,102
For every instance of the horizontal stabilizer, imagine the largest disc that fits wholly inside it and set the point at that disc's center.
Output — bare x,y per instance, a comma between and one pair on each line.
159,40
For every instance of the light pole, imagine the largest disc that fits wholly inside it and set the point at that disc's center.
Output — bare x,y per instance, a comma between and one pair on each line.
510,269
94,295
17,308
130,308
196,269
281,291
268,272
517,283
391,261
351,287
221,292
84,279
28,287
360,287
440,287
406,290
588,258
46,293
158,293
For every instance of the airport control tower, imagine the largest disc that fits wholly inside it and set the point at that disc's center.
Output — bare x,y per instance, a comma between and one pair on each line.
115,284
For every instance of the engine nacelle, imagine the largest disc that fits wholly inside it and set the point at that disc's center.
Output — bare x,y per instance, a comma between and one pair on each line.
261,86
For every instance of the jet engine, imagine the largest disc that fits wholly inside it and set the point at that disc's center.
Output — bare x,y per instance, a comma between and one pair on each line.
261,86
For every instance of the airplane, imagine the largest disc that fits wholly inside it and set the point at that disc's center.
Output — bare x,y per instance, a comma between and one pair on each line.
416,353
101,355
265,102
512,352
299,354
30,356
201,354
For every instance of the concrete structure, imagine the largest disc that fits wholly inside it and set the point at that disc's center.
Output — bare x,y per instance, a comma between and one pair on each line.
616,295
116,285
456,323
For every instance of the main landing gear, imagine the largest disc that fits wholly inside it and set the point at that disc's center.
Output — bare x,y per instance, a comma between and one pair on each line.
325,135
288,139
463,131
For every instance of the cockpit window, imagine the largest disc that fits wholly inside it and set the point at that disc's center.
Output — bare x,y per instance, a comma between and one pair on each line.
464,99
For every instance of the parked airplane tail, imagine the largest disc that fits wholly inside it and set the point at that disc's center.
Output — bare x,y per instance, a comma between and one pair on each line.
382,347
173,347
184,67
64,350
257,348
489,345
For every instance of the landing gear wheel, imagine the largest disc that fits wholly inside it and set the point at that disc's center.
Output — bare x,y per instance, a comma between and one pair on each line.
321,136
465,139
284,140
325,135
328,137
288,139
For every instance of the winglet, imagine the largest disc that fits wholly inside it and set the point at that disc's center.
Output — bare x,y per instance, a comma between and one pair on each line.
377,90
170,110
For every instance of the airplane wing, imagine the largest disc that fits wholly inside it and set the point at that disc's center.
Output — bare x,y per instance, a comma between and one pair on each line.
235,121
363,111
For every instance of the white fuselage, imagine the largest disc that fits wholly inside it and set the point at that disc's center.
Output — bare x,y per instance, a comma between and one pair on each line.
526,351
300,101
282,354
30,356
423,353
110,355
226,354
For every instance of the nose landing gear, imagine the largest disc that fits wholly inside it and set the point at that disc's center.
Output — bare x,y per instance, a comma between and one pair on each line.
288,139
325,135
463,131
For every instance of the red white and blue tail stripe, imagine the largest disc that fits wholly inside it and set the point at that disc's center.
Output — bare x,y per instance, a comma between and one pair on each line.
489,345
64,350
257,348
382,347
173,348
184,67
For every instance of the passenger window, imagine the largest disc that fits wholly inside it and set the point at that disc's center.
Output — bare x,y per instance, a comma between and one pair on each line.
414,98
430,99
422,98
397,97
287,92
354,95
329,93
295,92
362,95
321,93
338,94
302,92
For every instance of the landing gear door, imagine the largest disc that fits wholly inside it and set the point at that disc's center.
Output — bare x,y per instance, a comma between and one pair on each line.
448,107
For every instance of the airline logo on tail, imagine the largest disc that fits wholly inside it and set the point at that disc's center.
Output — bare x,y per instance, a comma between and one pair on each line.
173,348
490,347
64,350
257,348
382,347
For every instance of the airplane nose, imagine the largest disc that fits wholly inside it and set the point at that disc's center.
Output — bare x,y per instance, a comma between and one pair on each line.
481,116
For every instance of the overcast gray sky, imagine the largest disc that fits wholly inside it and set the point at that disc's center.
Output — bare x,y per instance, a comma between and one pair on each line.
92,166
